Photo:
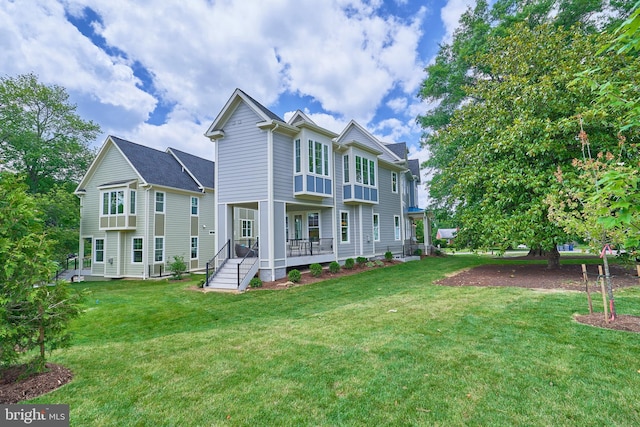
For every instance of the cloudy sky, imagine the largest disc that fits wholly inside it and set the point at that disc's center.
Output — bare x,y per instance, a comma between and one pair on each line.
157,72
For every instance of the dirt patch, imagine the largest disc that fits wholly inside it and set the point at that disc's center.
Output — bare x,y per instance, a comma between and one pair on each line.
567,277
13,388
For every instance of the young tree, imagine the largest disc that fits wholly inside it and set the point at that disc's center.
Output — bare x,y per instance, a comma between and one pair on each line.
41,135
504,145
61,214
32,314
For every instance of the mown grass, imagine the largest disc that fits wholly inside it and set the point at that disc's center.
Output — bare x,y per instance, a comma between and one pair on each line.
385,347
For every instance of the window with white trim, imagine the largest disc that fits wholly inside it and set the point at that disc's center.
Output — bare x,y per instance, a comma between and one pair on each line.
158,251
132,202
345,162
159,202
136,250
246,227
99,250
297,156
365,171
313,226
113,202
194,248
194,206
396,227
344,227
376,227
394,182
318,158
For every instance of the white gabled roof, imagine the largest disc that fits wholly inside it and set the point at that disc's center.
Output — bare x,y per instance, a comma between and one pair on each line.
375,141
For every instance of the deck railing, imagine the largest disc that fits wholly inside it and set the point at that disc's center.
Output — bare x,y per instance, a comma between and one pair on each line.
309,247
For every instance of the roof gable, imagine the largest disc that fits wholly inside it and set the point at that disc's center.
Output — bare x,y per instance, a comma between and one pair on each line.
155,167
399,149
236,98
201,170
366,137
414,167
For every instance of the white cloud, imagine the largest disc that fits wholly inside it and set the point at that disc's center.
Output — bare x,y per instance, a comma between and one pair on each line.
450,15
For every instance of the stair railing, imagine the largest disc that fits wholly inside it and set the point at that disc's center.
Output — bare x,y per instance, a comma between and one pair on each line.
218,260
242,267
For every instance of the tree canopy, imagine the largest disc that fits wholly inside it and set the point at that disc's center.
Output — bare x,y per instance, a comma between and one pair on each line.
501,149
41,135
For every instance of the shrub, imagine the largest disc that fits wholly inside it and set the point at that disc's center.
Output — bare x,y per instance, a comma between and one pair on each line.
334,267
379,263
255,283
417,252
178,267
349,263
316,270
295,276
361,260
370,264
388,256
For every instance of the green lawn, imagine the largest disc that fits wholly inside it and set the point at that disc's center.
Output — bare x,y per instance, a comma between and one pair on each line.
384,347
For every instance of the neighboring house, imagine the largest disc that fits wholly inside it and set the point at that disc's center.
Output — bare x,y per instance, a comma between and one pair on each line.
300,194
448,234
140,207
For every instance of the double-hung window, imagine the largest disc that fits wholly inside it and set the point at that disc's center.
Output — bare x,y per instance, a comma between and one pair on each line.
396,227
194,206
365,171
99,250
194,248
136,250
159,202
313,226
158,253
394,182
376,227
344,227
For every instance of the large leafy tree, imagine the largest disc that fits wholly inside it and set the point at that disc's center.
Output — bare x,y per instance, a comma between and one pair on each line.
41,135
502,148
454,70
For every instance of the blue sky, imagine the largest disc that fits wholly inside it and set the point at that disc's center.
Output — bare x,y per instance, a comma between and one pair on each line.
157,72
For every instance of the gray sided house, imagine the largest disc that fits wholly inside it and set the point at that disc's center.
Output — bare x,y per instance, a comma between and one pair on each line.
293,193
140,207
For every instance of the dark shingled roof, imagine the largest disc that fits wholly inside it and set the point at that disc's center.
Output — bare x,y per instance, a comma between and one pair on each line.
399,149
202,169
414,167
264,109
156,167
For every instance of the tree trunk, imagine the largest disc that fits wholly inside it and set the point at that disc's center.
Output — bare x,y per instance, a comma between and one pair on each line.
553,259
536,252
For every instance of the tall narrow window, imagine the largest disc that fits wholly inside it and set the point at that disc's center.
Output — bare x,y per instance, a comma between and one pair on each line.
346,168
394,182
365,171
194,206
99,250
396,227
298,158
105,203
376,227
194,248
113,203
344,227
132,202
318,157
158,254
310,156
136,249
313,224
325,156
372,173
359,169
160,202
120,201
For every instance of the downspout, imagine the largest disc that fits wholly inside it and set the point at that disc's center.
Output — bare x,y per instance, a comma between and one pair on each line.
148,222
334,220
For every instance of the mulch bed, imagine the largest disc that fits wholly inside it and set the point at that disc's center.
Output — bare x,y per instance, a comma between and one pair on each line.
567,277
14,389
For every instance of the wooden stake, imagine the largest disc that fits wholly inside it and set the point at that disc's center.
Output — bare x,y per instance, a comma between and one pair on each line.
604,295
585,278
